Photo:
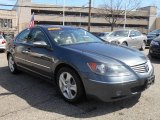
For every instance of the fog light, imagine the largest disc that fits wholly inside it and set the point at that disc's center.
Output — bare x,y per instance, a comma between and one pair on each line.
118,93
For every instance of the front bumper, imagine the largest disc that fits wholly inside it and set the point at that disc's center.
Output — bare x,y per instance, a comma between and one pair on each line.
107,92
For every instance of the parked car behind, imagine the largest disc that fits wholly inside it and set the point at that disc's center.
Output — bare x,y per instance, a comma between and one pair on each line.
80,64
132,38
2,43
152,35
104,35
154,50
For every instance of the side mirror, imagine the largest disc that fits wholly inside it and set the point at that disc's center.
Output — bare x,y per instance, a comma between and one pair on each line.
41,44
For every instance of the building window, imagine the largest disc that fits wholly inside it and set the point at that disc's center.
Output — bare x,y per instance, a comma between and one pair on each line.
6,23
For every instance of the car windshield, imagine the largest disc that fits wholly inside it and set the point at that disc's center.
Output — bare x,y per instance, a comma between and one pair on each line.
72,36
119,34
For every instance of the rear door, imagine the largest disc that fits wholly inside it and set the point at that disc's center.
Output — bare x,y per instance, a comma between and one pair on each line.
19,46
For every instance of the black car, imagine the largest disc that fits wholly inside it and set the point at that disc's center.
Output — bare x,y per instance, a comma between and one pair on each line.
80,64
152,35
154,50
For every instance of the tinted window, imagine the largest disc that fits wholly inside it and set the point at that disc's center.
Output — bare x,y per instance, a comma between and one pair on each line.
22,37
103,34
37,35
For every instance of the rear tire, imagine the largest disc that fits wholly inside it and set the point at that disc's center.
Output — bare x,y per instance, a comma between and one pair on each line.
12,65
69,85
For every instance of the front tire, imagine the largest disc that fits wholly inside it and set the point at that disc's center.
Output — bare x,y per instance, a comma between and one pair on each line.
69,85
124,44
11,64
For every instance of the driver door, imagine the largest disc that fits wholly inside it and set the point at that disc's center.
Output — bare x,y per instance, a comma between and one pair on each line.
39,59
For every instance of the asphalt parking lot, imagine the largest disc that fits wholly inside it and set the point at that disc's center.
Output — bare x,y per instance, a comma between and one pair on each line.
25,97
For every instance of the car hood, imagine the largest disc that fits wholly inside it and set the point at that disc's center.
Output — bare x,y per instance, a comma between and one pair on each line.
123,54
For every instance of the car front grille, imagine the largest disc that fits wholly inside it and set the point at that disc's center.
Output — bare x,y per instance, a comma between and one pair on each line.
141,68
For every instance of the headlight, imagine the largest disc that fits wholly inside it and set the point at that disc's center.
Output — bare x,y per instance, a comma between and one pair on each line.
154,43
109,70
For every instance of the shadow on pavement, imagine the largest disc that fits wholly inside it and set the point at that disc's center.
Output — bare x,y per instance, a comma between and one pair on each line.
44,96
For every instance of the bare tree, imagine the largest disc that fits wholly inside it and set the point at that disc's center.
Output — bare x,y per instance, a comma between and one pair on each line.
114,10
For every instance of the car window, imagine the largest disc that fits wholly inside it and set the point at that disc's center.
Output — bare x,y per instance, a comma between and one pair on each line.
122,33
37,35
132,33
22,37
138,33
101,34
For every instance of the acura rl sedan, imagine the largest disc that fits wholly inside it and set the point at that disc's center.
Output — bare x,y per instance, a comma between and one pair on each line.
80,64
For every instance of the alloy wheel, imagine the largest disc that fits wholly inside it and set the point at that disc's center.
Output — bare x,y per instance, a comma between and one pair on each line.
11,64
67,85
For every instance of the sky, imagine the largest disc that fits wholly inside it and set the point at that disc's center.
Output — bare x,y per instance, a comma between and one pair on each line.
79,3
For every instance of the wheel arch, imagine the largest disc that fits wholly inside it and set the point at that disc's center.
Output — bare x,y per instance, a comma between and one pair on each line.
125,42
61,65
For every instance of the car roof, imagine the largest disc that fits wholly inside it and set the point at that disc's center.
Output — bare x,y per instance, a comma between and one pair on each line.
126,30
56,26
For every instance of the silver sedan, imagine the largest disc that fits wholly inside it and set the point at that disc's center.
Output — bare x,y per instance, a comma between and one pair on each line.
132,38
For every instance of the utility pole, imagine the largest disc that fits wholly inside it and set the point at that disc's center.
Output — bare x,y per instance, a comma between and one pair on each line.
125,16
64,2
89,16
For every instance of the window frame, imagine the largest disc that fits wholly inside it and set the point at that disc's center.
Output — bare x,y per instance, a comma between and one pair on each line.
20,35
46,37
